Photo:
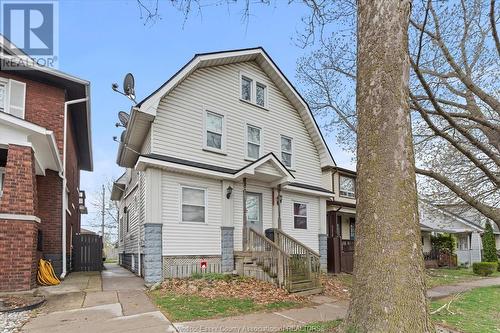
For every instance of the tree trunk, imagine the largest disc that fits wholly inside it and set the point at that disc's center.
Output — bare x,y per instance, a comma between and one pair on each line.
389,293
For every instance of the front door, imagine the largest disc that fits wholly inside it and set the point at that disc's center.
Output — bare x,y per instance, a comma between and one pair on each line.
254,211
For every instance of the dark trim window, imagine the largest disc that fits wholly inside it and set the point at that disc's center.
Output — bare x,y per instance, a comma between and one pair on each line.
352,228
299,215
339,226
347,187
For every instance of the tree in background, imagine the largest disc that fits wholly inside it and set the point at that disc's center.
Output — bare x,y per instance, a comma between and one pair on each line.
489,246
454,98
104,209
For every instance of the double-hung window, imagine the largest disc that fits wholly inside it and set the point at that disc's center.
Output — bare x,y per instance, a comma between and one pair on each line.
299,215
253,142
193,204
347,187
253,91
287,151
12,97
214,131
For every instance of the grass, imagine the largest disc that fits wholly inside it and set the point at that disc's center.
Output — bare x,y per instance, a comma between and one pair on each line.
444,276
325,326
192,307
476,311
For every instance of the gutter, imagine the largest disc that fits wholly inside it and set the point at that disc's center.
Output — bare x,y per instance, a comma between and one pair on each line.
62,174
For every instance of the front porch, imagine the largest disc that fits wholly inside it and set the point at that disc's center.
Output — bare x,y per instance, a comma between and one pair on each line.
341,233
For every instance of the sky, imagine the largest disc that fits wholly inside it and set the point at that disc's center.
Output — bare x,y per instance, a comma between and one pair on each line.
101,41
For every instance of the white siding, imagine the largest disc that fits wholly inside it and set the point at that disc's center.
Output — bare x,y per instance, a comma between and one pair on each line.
178,127
190,238
146,146
310,236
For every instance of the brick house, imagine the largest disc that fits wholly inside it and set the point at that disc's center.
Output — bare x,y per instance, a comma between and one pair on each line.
45,141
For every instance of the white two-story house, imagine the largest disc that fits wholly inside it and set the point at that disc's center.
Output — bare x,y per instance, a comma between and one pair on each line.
223,151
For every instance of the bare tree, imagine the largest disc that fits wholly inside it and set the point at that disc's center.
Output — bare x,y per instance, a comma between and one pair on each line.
454,98
110,209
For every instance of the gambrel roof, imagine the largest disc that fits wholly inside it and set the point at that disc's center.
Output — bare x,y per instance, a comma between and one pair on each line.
145,111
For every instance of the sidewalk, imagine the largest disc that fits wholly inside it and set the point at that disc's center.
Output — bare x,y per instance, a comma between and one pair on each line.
88,302
326,310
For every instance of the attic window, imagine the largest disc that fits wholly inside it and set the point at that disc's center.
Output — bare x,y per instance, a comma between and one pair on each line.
253,91
12,97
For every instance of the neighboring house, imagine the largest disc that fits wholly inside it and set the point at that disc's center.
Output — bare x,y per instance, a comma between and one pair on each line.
40,163
467,234
223,151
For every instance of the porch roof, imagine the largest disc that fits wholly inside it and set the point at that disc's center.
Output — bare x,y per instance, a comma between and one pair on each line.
18,131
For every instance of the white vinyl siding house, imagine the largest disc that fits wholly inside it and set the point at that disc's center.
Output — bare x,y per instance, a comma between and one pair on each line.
228,134
217,89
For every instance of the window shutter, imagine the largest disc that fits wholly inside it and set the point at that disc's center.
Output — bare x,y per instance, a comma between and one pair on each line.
17,98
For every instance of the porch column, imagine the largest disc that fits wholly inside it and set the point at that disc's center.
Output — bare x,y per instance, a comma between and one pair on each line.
278,201
227,228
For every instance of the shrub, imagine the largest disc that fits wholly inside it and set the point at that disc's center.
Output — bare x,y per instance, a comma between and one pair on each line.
484,268
489,247
443,242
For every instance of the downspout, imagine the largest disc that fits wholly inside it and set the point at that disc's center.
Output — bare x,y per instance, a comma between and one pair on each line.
62,174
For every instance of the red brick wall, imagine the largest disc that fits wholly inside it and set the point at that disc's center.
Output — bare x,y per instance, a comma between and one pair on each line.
18,255
20,190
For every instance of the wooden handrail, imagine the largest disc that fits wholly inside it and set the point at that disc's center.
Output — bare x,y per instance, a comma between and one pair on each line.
297,242
270,257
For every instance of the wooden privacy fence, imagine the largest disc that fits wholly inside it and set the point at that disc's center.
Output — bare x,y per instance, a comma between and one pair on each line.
87,253
340,254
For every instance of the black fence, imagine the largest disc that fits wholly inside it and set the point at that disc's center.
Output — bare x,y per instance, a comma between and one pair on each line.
87,253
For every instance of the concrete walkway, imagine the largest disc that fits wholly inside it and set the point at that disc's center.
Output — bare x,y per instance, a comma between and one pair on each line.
445,291
89,302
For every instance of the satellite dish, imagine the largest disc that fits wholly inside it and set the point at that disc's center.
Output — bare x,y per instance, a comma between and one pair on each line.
128,86
122,137
123,117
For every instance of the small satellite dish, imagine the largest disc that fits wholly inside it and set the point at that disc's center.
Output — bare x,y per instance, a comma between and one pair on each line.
123,117
128,86
122,137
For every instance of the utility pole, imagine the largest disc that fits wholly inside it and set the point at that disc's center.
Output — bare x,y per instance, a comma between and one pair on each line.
102,212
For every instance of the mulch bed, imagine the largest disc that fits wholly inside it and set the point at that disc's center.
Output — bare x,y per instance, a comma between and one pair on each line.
259,292
20,303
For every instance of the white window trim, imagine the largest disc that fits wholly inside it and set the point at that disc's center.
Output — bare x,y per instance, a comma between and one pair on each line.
247,142
348,192
306,216
292,160
8,84
224,133
253,95
2,172
205,191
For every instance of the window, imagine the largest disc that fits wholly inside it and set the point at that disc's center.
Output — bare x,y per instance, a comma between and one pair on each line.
12,97
463,243
253,142
193,204
121,228
260,95
286,151
127,217
2,179
214,126
347,187
352,228
253,91
246,88
299,215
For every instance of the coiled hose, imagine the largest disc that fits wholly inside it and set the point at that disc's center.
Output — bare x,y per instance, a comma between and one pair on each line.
46,275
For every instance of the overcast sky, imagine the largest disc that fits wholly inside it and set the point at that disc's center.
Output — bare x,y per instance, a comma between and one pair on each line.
101,41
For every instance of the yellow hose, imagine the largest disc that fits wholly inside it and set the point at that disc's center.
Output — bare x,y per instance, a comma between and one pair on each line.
46,275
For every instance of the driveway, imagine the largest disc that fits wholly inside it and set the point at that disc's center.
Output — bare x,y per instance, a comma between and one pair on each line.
88,302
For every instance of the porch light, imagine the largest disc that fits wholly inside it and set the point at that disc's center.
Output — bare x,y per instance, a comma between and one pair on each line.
229,190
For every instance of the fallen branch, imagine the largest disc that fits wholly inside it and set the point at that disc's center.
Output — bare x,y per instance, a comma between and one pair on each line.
447,305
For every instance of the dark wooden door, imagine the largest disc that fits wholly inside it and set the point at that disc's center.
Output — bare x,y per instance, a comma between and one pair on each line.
87,253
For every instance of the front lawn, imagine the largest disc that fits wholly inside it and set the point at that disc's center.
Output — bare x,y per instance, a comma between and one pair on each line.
476,311
444,276
217,295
